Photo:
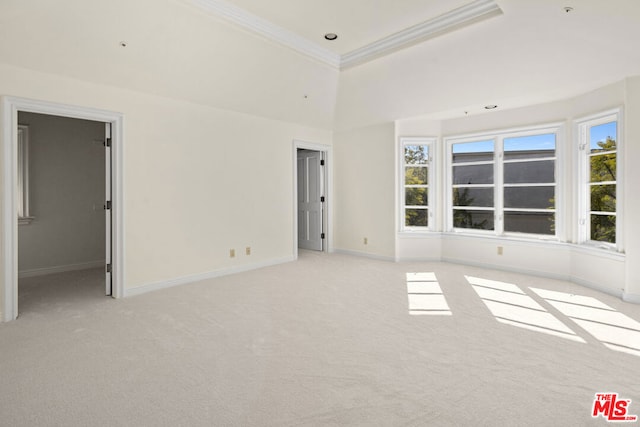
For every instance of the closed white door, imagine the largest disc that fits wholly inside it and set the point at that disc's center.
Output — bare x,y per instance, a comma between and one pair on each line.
310,200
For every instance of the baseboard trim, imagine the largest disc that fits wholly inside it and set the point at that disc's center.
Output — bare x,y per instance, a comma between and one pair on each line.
364,255
535,273
60,269
625,296
418,259
591,285
178,281
632,298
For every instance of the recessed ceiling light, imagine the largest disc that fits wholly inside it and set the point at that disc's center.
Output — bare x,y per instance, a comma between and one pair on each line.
490,107
330,36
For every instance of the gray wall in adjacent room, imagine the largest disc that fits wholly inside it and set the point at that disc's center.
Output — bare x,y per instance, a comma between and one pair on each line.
67,179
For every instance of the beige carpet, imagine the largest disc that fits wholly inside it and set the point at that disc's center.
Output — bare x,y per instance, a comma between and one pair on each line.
327,340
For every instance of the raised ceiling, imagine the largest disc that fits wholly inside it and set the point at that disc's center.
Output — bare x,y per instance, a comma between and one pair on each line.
357,22
360,33
533,52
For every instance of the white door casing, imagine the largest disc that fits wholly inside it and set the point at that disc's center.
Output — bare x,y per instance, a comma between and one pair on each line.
9,225
107,212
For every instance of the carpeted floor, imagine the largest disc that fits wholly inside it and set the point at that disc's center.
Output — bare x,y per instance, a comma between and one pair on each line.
327,340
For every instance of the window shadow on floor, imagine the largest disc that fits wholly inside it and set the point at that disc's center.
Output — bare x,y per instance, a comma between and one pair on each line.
425,295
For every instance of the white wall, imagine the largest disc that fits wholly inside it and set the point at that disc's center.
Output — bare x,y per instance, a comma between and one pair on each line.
364,176
631,200
174,49
419,246
67,193
530,257
198,181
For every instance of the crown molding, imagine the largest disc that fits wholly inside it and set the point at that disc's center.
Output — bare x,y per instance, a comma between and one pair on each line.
463,16
269,30
473,12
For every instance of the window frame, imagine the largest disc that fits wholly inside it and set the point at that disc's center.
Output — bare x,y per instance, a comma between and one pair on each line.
582,130
22,183
498,137
430,143
450,142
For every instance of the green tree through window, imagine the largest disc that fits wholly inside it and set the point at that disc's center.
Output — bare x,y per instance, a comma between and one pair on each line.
465,218
416,185
603,166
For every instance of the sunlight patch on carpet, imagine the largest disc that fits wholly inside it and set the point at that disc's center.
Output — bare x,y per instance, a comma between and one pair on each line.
512,306
615,330
425,295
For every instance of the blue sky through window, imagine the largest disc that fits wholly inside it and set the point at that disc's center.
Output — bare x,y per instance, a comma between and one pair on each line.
533,142
520,143
601,132
473,147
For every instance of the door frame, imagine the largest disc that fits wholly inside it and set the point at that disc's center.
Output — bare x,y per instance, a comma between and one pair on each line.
327,212
9,226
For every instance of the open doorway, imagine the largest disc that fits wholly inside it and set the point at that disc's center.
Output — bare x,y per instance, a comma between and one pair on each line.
63,224
312,215
20,206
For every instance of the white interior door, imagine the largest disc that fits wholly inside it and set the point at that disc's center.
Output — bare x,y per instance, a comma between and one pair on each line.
108,209
310,200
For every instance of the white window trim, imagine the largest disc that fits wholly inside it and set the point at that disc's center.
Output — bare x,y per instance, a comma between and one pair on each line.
449,142
498,137
24,216
581,127
430,142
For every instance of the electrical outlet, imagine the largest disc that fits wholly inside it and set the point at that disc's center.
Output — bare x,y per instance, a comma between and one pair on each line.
366,241
248,250
499,250
232,253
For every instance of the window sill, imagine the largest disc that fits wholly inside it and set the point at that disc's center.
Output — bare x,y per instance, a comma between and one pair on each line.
408,234
519,238
25,220
600,249
589,248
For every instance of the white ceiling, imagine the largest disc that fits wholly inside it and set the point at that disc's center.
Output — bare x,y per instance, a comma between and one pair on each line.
356,22
534,52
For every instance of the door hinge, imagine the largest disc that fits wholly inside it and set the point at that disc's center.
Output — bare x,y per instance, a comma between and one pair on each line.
321,162
322,235
322,199
107,142
107,206
108,268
